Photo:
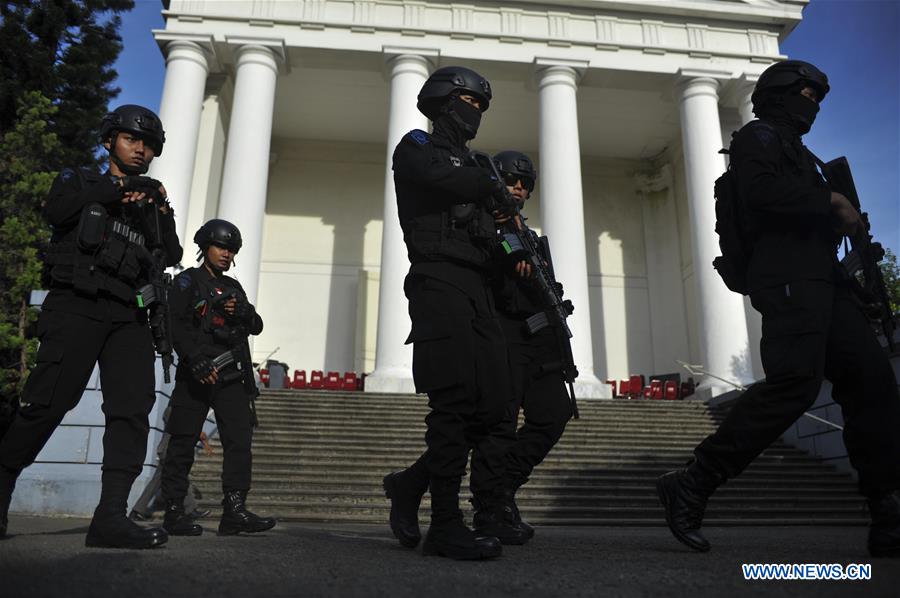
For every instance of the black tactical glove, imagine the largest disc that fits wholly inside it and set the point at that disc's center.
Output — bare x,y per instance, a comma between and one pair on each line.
243,310
143,184
557,288
503,201
201,367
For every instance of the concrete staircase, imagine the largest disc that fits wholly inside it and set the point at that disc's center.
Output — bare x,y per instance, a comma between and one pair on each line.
320,456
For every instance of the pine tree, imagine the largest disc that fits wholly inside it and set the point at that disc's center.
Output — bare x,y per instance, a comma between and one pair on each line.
24,183
65,49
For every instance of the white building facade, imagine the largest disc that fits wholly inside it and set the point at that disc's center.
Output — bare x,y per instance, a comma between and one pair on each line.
281,116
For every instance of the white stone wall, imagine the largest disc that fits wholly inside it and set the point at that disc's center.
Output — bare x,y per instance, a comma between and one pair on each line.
322,227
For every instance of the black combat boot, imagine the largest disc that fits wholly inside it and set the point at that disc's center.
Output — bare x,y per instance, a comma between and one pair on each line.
884,532
177,522
236,518
110,528
495,515
683,495
405,490
508,496
7,485
448,536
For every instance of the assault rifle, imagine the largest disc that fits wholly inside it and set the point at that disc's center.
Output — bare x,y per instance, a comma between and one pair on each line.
865,255
238,354
520,243
155,294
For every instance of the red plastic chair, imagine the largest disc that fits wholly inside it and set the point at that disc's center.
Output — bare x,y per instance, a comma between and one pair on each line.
612,384
316,379
646,392
670,391
637,386
333,381
350,382
299,381
264,377
656,389
625,389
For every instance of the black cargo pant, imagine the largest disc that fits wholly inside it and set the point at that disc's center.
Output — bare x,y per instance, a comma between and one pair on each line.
70,346
460,360
191,402
813,330
540,391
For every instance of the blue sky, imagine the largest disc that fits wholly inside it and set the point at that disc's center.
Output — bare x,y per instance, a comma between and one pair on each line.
854,41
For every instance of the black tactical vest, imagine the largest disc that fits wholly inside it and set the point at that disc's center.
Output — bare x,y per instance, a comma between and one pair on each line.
431,237
104,254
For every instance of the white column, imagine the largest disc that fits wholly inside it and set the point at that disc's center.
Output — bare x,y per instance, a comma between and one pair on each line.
562,210
724,346
393,359
246,172
179,111
744,91
745,108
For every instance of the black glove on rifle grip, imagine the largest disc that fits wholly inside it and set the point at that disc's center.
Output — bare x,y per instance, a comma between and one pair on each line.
201,367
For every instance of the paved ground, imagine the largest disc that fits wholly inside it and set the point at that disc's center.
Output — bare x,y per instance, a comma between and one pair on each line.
47,557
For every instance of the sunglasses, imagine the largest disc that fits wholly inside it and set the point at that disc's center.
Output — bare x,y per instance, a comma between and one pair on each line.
510,179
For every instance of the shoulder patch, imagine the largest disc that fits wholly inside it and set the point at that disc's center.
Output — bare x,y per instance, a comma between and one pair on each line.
183,280
764,133
419,136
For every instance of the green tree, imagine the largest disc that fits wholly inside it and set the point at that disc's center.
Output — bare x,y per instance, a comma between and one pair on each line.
24,183
890,270
56,81
65,49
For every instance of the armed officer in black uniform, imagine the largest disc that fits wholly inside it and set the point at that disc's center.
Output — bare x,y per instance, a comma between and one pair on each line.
538,386
459,353
813,328
212,318
104,229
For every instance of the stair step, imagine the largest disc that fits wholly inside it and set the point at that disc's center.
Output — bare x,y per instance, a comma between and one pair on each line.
321,455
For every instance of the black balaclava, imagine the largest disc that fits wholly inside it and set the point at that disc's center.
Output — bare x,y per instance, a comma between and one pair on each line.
791,109
129,170
458,121
803,111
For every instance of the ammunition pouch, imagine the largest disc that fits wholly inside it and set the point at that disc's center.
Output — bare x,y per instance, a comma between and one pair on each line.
441,235
462,213
102,254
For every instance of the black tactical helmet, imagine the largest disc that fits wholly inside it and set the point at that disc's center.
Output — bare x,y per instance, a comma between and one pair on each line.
219,232
448,80
516,166
137,120
782,77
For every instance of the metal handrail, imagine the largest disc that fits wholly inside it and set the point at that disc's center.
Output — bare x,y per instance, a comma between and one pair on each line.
697,369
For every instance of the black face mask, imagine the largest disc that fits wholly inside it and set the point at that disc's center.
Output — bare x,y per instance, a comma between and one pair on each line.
467,116
802,110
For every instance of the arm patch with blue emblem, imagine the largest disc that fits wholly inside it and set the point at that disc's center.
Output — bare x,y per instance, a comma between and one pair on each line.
419,136
765,135
183,280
